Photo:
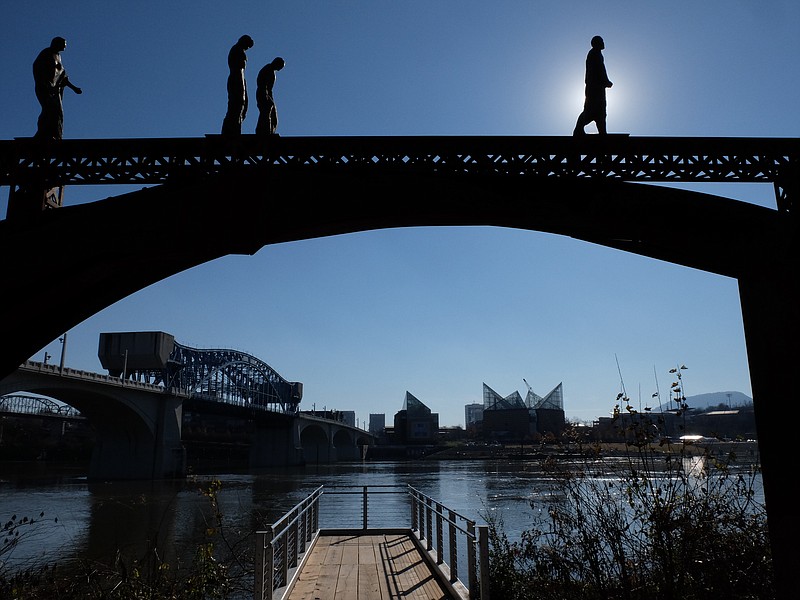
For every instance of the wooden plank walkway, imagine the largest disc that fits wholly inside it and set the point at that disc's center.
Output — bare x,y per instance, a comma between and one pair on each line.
367,567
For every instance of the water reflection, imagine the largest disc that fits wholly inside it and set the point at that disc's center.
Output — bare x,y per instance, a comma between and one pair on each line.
97,519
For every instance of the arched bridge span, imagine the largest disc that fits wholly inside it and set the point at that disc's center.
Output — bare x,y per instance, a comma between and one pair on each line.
215,196
326,440
138,424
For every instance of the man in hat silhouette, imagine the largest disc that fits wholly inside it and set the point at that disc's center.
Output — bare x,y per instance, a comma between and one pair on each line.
594,107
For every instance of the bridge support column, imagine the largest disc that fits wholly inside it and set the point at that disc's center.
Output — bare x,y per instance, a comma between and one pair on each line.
348,451
298,442
333,455
275,444
771,317
128,449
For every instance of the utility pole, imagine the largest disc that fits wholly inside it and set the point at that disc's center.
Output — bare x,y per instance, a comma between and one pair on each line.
63,340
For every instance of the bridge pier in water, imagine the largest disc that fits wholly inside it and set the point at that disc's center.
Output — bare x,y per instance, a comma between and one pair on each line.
128,449
276,444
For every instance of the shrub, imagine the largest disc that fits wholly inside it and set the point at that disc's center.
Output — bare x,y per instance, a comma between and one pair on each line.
659,522
148,577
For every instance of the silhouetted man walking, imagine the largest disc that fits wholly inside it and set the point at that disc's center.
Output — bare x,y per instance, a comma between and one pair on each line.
237,87
267,112
50,79
594,107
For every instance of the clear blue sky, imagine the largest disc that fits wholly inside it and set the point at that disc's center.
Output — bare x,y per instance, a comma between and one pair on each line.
360,319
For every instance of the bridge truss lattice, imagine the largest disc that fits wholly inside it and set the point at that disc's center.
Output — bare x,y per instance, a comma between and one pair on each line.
28,165
224,376
35,405
232,377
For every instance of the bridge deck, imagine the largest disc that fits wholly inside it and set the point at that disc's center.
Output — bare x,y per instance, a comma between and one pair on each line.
369,566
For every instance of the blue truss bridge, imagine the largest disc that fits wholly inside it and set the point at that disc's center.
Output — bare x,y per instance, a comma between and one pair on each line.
210,375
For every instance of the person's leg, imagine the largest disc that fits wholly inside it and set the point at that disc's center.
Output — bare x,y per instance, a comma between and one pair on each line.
583,121
600,121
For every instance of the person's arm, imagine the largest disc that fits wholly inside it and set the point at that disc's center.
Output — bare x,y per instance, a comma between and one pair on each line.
70,85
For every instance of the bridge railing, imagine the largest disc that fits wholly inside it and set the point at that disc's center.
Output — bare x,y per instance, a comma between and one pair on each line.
158,160
279,548
56,370
441,531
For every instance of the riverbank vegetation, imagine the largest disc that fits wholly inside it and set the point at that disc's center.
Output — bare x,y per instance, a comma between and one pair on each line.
219,569
644,525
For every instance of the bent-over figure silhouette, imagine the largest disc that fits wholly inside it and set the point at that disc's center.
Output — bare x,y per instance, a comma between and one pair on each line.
50,79
594,107
237,87
267,112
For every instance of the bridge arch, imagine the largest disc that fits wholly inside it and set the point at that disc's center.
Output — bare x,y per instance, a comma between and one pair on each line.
138,432
316,444
568,192
191,231
344,441
328,441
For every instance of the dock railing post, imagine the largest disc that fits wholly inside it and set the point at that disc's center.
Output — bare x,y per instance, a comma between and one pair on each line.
285,559
421,515
308,523
315,513
265,565
302,524
294,542
414,514
428,524
472,567
364,507
483,547
453,543
439,540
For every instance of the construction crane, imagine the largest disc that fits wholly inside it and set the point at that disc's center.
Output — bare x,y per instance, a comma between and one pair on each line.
530,391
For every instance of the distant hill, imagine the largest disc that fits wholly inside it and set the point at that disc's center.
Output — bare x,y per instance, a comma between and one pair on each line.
713,399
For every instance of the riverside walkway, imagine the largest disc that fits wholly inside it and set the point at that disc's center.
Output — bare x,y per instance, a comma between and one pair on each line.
297,560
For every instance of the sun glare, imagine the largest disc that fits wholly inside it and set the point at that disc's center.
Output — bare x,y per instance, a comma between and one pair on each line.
622,113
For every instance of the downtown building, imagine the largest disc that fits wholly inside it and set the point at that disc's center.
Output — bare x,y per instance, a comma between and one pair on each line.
511,418
416,423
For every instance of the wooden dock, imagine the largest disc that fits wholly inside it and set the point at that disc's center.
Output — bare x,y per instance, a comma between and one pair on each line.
295,559
368,566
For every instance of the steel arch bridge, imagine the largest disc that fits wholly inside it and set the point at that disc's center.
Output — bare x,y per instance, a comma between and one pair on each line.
225,376
232,377
35,405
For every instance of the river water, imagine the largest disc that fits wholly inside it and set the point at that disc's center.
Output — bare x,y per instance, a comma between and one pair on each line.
92,520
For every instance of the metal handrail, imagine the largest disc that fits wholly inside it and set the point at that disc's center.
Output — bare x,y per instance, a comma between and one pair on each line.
364,491
424,510
281,547
285,540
